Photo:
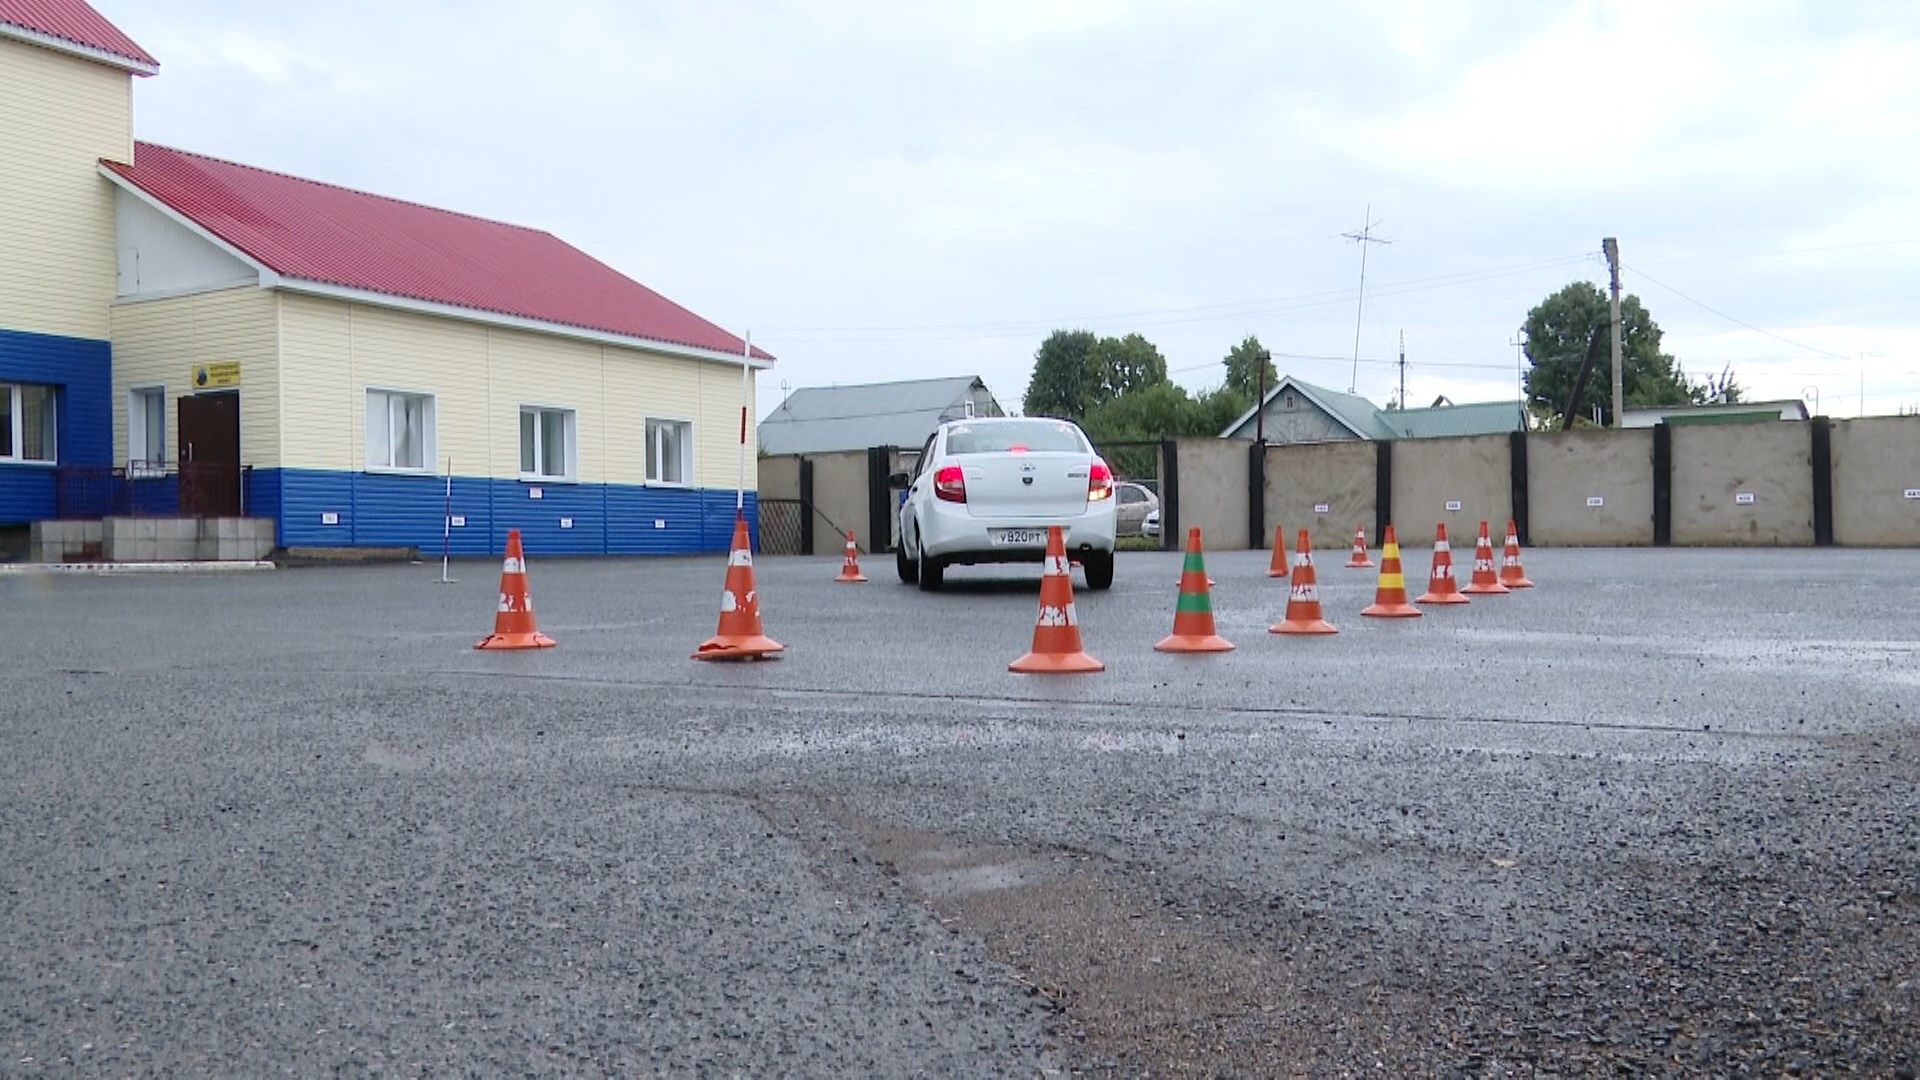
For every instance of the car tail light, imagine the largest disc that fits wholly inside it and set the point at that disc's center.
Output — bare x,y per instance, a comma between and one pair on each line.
1099,482
950,484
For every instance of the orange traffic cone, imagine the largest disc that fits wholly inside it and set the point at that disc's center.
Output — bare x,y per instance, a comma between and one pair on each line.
740,636
514,626
1278,566
1512,574
1441,586
1486,580
850,569
1056,633
1390,597
1359,561
1303,601
1193,613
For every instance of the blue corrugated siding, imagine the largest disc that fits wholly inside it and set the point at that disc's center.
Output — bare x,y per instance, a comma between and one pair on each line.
380,510
82,369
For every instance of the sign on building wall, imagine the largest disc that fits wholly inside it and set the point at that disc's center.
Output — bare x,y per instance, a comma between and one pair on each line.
216,376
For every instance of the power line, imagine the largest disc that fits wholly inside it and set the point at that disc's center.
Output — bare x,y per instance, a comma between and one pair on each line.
1742,322
1197,313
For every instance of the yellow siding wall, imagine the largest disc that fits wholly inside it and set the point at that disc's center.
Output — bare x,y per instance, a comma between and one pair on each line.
480,376
59,115
159,342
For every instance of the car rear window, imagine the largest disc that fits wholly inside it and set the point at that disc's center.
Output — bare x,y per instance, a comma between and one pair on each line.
1001,436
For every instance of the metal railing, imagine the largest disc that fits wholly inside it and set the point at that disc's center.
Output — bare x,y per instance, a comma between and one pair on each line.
141,488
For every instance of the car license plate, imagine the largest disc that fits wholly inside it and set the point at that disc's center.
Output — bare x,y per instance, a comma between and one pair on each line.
1019,536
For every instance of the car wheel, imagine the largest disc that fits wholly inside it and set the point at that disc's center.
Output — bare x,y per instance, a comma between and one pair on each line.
908,569
1099,569
931,571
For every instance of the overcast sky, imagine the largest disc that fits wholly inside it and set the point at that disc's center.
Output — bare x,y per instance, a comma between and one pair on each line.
885,191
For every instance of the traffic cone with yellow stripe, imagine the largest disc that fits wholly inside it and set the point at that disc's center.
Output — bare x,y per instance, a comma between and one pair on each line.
850,567
514,626
1512,574
1056,633
1390,597
740,637
1441,586
1486,579
1193,612
1303,601
1359,559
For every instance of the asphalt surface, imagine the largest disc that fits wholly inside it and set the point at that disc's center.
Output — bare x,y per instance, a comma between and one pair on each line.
1657,815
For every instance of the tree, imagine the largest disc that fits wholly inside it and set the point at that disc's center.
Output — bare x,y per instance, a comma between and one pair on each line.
1559,331
1244,362
1128,363
1075,372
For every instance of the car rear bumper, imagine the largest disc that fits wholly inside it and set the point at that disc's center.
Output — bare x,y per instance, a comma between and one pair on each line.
953,535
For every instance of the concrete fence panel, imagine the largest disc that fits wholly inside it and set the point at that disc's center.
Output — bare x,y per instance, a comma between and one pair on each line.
1457,481
1303,479
840,493
1590,488
1213,491
1876,467
1738,484
779,477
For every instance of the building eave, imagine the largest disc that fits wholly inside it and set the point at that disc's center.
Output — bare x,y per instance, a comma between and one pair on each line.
74,48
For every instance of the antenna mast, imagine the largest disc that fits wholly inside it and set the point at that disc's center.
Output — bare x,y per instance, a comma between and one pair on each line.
1363,238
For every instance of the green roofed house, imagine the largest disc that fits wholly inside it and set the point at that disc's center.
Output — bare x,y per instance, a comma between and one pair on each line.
1300,412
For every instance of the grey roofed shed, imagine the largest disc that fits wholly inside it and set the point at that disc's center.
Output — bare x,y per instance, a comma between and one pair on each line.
829,418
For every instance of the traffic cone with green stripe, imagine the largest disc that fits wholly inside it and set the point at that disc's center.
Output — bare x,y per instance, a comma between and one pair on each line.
1193,613
1303,602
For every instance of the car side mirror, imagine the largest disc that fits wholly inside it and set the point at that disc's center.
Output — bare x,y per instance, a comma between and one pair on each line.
898,480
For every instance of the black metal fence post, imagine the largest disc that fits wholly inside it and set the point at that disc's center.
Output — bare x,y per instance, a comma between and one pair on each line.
806,506
879,499
1823,481
1517,455
1382,489
1662,485
1169,495
1257,495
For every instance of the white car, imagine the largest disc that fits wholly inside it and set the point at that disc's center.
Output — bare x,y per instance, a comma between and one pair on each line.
985,490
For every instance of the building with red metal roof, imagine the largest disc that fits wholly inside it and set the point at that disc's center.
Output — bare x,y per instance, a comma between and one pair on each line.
184,334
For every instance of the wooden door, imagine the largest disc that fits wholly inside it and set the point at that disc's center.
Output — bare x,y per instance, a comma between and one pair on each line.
209,455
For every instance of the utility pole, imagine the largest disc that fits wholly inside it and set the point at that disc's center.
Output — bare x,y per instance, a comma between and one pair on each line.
1403,369
1363,238
1611,248
1260,399
1519,344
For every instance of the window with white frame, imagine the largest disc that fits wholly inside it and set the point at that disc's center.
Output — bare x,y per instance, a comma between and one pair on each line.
146,427
27,420
399,431
669,451
547,443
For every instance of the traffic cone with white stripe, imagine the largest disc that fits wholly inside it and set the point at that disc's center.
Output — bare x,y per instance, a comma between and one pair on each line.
1193,612
1512,574
740,637
1056,633
1390,597
1441,586
1486,579
1278,566
1359,560
1303,601
514,626
850,567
